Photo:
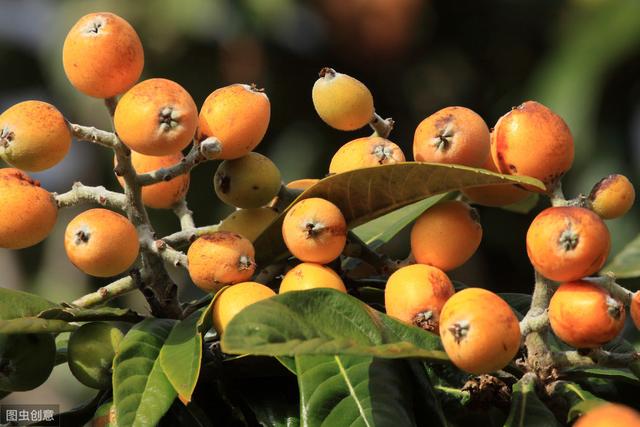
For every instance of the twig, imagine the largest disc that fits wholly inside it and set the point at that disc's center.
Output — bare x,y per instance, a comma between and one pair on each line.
94,135
119,287
184,214
82,194
595,357
194,157
534,323
170,255
182,238
608,282
381,127
157,287
539,358
356,248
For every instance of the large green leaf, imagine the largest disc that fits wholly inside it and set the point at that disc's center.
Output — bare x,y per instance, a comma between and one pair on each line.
365,194
610,374
142,393
345,390
379,231
77,314
324,321
34,325
526,408
181,353
15,304
579,400
626,264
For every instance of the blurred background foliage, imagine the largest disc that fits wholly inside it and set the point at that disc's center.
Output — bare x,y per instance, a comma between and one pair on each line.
579,57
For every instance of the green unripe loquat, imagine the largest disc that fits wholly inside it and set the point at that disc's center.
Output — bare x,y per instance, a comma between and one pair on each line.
248,182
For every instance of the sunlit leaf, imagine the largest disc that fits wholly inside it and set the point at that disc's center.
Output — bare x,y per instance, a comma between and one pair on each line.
365,194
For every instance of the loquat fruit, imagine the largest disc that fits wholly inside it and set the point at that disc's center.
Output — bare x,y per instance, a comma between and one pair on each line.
415,295
531,140
235,298
156,117
314,230
365,152
26,360
250,181
162,195
479,331
219,259
34,136
455,135
341,101
608,415
238,116
567,243
584,315
634,309
446,235
611,197
494,195
102,55
101,242
309,275
90,353
27,211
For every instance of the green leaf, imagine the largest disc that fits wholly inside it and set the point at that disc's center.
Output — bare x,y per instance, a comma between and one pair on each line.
288,362
610,374
580,401
181,353
324,321
15,304
77,314
35,325
626,264
142,393
345,390
379,231
526,408
524,206
365,194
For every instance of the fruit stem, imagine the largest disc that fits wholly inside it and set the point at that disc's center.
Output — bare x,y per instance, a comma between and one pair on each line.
184,166
381,127
608,282
184,214
184,237
356,248
557,197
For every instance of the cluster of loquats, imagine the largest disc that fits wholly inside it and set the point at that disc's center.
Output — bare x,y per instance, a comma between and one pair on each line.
566,243
156,119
